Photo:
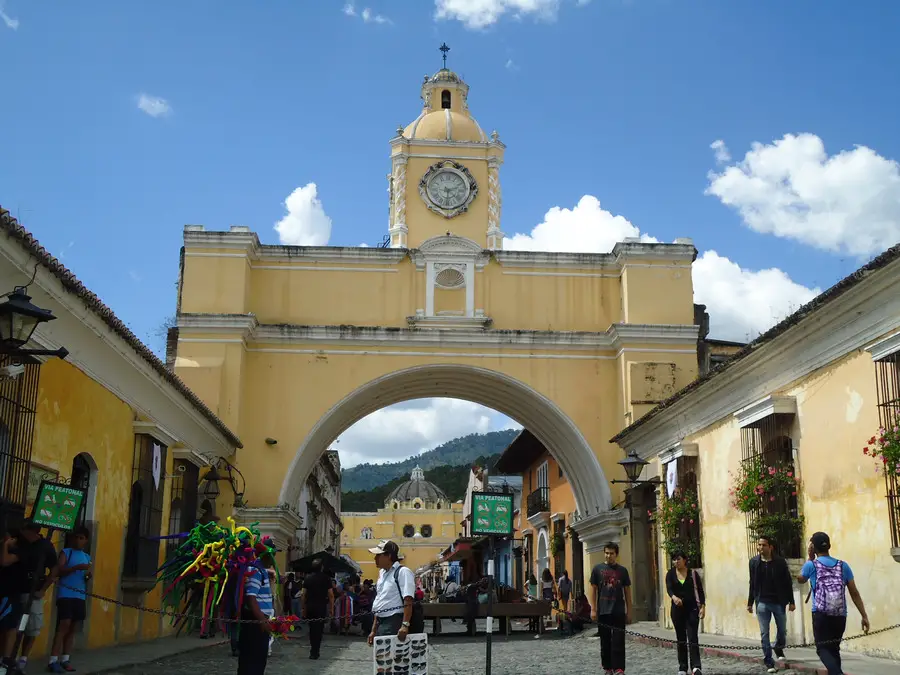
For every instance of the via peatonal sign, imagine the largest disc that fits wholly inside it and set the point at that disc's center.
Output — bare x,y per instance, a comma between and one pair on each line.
57,506
492,514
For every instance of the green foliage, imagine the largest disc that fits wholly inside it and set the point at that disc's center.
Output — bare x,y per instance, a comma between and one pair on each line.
777,526
452,480
458,452
756,484
557,543
679,522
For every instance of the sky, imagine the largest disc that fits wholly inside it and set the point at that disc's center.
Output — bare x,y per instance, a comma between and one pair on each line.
763,130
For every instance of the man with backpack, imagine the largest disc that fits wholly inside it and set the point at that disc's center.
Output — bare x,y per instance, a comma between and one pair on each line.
396,612
828,578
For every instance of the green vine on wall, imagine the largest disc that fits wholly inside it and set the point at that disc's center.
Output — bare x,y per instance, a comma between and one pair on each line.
557,543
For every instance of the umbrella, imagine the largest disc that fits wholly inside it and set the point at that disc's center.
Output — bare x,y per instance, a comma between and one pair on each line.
330,563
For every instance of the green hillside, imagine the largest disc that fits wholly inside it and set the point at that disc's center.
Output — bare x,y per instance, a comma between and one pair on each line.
452,480
460,452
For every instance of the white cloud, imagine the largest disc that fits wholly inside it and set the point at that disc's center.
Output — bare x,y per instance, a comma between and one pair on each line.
721,152
366,14
843,203
741,303
153,105
585,228
11,23
477,14
511,65
305,223
406,429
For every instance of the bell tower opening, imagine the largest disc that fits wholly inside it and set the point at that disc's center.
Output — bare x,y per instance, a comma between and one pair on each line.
445,99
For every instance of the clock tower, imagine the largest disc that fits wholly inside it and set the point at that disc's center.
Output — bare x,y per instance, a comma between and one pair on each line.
445,171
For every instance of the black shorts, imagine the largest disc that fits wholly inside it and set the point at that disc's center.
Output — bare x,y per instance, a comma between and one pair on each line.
70,609
11,620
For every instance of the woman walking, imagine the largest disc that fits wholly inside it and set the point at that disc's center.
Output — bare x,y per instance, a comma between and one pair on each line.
564,586
688,606
548,587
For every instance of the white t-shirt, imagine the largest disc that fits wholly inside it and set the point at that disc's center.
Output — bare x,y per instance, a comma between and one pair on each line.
388,600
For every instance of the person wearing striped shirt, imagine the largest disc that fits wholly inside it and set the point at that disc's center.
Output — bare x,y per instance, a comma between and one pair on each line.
253,642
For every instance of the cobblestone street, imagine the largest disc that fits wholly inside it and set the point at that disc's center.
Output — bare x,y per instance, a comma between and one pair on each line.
449,655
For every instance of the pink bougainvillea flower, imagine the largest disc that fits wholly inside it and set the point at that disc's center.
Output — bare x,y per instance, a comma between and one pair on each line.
872,441
771,471
790,474
693,506
771,499
866,450
692,521
794,493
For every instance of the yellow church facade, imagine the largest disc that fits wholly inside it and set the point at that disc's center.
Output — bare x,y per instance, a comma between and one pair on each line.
417,515
294,344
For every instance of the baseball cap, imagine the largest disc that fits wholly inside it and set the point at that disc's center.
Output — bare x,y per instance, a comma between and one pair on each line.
820,541
386,546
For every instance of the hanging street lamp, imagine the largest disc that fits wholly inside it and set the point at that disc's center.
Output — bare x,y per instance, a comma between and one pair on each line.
633,466
229,473
19,318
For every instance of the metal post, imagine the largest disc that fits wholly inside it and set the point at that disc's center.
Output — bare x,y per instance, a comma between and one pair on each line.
490,607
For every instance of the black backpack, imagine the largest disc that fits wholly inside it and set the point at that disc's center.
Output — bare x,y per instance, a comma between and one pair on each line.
417,620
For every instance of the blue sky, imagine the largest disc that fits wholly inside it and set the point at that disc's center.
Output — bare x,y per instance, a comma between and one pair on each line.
608,108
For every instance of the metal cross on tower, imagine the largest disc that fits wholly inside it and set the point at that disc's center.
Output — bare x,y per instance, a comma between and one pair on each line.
444,48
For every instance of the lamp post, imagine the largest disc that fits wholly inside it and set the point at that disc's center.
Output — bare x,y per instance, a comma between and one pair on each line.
633,466
221,470
19,318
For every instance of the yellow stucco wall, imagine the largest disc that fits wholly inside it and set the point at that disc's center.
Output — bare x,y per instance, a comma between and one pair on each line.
388,523
840,494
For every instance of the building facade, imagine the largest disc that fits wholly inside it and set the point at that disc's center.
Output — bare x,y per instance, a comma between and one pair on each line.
417,515
319,509
784,440
110,419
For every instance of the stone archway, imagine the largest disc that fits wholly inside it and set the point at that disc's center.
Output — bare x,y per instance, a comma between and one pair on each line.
541,416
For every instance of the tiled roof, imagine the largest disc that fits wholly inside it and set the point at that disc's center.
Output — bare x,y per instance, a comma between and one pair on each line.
775,331
71,283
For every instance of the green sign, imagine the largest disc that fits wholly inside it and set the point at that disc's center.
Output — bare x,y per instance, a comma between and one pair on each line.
57,506
492,513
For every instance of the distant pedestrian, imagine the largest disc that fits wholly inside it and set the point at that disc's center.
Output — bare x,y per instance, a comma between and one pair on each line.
364,606
684,587
71,599
564,586
291,588
828,578
771,590
316,602
258,608
612,609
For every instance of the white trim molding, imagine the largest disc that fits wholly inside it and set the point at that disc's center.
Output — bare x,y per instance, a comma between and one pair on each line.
597,530
680,450
770,405
557,516
157,432
884,348
539,520
192,456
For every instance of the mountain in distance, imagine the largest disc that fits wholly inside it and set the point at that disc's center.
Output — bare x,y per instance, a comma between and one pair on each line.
460,452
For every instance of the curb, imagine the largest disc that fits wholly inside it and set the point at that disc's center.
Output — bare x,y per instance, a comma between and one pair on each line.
742,656
131,662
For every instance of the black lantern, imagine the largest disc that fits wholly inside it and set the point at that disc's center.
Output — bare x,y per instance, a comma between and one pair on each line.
633,466
231,475
211,485
19,317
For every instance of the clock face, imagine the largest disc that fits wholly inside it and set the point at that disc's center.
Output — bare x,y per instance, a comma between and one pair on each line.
448,189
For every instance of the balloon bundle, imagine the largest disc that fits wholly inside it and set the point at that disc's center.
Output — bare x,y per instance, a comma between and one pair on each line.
204,578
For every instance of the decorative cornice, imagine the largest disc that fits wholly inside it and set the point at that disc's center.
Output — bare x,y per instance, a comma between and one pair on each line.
770,405
539,520
164,436
192,456
680,450
597,530
449,322
884,348
623,254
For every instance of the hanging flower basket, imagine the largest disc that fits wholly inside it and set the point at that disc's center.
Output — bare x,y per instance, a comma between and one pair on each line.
678,518
755,484
884,449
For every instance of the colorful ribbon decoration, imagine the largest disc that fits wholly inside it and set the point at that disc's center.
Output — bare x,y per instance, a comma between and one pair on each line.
211,565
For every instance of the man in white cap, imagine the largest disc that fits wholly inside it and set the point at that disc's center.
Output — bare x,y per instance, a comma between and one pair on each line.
394,592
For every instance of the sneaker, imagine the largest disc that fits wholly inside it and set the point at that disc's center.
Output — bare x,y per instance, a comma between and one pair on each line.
68,667
55,667
682,672
772,669
618,671
696,671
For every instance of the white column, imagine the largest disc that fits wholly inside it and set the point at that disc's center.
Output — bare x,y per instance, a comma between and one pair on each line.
470,289
429,289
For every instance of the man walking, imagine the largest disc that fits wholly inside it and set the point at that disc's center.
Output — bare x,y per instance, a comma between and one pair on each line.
828,578
258,607
771,591
394,593
316,602
36,571
611,609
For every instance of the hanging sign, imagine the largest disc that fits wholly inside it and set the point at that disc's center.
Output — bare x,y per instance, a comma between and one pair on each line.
671,477
492,514
57,506
156,468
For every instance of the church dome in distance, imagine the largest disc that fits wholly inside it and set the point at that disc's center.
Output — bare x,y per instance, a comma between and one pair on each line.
417,489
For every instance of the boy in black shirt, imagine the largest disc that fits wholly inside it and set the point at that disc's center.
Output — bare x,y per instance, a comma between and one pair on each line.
30,573
612,609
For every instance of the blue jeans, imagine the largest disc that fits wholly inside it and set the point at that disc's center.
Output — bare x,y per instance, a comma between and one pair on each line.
764,613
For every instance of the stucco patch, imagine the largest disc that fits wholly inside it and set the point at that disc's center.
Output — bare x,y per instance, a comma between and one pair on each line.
854,405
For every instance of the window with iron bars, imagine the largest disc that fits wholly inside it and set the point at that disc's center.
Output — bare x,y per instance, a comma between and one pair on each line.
183,508
144,511
767,443
18,401
887,382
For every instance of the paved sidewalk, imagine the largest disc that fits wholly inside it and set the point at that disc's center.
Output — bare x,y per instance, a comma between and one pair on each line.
111,659
800,660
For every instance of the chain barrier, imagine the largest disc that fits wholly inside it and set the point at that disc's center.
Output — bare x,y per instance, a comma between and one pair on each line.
632,633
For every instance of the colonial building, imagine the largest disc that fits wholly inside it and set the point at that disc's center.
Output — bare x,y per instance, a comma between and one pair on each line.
109,418
319,508
572,346
794,434
417,515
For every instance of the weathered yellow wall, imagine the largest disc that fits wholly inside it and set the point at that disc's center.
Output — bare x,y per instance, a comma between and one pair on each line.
417,551
840,494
